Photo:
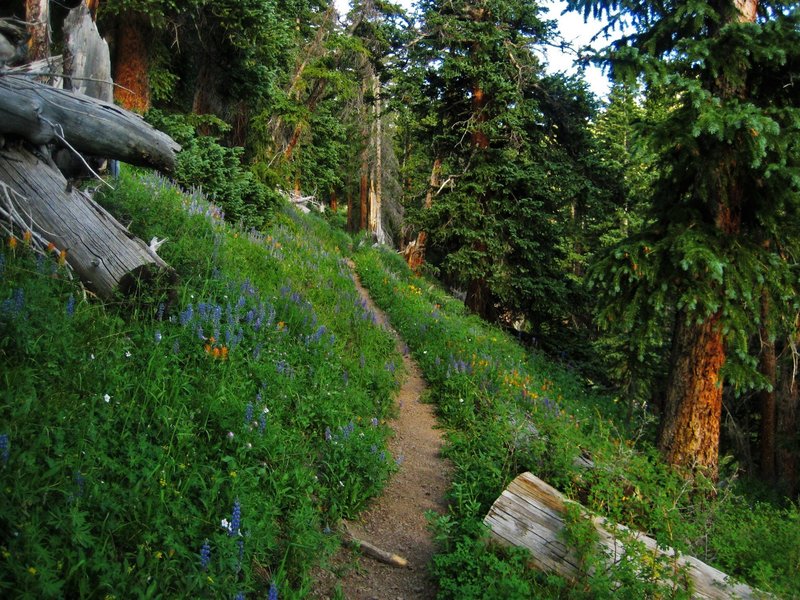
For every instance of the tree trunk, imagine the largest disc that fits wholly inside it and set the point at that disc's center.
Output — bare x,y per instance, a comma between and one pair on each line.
693,406
87,63
363,196
42,115
415,250
376,187
767,367
99,249
132,63
349,209
37,14
334,201
786,424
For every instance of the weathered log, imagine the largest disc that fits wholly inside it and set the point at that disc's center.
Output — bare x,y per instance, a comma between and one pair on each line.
98,248
530,514
42,114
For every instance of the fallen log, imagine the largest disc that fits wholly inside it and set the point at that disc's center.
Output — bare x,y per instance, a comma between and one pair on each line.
530,514
99,249
42,114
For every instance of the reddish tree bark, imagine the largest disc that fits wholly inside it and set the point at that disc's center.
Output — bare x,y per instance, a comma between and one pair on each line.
37,14
415,250
690,426
334,201
132,63
693,406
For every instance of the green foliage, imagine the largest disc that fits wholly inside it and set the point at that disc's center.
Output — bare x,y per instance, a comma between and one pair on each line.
216,169
137,434
509,411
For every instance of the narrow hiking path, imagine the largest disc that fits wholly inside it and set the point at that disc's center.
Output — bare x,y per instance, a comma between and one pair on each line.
396,521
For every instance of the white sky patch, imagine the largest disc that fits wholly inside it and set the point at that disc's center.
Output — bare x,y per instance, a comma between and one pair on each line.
571,27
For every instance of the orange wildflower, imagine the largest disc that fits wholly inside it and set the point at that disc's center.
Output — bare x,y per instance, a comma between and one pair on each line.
51,247
224,352
62,257
215,352
27,236
207,348
12,242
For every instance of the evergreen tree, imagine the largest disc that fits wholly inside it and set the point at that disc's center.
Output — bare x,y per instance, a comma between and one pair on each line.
504,146
728,154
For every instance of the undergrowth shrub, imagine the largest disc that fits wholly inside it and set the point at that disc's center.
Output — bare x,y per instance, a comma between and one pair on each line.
217,169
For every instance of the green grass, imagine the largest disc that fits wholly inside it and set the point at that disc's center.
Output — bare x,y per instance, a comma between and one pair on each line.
508,410
132,431
134,428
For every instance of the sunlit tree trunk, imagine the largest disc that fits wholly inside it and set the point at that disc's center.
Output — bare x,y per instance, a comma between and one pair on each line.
693,405
37,14
132,63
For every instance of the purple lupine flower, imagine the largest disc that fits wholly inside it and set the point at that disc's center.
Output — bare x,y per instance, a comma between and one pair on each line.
328,435
158,337
205,555
160,313
70,305
186,315
374,421
200,332
348,429
257,351
262,421
239,596
248,414
236,518
5,446
273,592
176,347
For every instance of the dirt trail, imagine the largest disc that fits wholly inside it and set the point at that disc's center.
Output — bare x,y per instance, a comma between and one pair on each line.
396,522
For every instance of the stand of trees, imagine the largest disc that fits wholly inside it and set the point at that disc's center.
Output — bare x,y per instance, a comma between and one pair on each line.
651,237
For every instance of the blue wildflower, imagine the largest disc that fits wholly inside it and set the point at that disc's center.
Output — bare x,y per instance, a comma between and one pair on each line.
4,448
200,332
273,592
248,414
236,518
374,421
186,315
160,313
328,435
205,555
239,596
70,305
262,421
157,337
176,347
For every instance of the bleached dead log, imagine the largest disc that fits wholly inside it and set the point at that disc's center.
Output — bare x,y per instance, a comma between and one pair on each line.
42,114
99,249
530,514
371,550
